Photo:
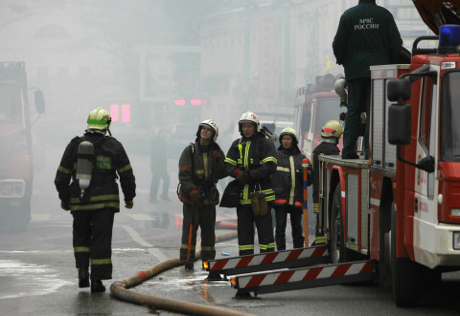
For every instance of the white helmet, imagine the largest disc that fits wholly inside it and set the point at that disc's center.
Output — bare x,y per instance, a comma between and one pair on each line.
211,124
99,119
291,132
248,117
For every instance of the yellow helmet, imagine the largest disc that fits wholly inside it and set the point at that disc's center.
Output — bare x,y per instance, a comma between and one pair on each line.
99,119
332,129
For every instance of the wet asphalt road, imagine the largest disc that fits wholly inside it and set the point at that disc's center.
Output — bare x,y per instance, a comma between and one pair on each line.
37,274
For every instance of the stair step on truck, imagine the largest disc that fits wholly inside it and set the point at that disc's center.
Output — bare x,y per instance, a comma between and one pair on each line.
303,278
294,258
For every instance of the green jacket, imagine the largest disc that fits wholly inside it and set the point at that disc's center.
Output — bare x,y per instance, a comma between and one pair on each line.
202,173
367,35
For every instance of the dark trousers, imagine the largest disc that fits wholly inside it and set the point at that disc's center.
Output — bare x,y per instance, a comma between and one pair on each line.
296,225
92,241
205,218
155,184
246,221
359,95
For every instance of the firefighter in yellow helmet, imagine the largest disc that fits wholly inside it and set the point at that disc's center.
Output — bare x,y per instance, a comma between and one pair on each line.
330,136
200,167
86,183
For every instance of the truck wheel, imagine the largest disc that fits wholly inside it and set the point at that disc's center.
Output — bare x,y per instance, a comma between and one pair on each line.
404,272
337,245
19,217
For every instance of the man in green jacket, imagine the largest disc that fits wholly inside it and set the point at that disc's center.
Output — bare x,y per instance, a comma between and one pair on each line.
367,35
200,167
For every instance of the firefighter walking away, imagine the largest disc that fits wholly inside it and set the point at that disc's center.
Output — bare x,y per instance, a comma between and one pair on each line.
86,181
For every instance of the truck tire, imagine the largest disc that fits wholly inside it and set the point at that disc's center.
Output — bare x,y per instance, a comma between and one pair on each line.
337,247
405,273
19,218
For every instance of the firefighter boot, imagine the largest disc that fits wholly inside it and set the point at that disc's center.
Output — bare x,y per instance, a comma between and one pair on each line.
83,277
97,286
189,265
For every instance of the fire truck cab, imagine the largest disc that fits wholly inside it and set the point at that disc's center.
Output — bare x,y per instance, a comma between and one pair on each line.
16,169
315,105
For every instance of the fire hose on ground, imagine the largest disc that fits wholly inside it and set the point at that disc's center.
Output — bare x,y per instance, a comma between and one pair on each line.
119,289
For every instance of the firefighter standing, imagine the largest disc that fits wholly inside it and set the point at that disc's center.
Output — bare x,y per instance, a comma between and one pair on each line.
200,167
93,209
288,184
367,35
252,160
330,136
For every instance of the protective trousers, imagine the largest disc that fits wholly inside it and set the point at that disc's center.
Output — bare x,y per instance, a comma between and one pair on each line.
359,94
205,218
296,225
92,241
246,220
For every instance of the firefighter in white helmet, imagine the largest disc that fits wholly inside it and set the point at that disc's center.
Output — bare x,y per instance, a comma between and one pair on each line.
330,136
93,211
252,160
200,167
288,184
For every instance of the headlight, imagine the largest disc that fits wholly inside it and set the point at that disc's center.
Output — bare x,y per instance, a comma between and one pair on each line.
456,241
12,188
455,211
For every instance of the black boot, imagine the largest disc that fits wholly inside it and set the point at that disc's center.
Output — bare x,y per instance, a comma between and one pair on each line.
189,265
83,277
97,286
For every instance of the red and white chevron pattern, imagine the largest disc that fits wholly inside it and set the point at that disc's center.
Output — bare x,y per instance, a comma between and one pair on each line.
271,257
304,274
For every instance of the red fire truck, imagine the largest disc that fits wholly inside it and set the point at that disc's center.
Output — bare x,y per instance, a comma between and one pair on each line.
315,104
16,174
394,218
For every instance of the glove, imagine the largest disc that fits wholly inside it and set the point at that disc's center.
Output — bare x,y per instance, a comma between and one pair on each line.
129,204
241,176
215,154
195,195
65,206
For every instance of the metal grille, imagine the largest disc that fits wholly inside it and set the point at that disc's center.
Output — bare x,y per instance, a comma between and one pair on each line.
352,199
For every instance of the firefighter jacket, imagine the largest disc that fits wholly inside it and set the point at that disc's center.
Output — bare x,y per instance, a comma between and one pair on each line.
367,35
110,159
200,169
325,148
257,156
288,178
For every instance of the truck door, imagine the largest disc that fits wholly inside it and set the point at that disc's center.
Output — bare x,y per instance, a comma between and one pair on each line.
425,204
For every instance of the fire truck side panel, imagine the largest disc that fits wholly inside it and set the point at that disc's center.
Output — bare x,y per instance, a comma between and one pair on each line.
353,179
383,155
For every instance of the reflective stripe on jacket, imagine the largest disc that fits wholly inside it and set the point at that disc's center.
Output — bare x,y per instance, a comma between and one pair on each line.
288,178
257,155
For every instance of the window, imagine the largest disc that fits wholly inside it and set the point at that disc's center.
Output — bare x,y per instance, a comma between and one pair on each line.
450,112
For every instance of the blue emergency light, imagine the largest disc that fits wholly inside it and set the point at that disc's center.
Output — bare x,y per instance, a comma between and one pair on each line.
449,39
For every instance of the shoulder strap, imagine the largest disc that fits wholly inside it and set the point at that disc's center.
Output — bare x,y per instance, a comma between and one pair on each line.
77,140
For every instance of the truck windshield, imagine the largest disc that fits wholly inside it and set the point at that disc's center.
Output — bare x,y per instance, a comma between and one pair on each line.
450,113
9,103
328,109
